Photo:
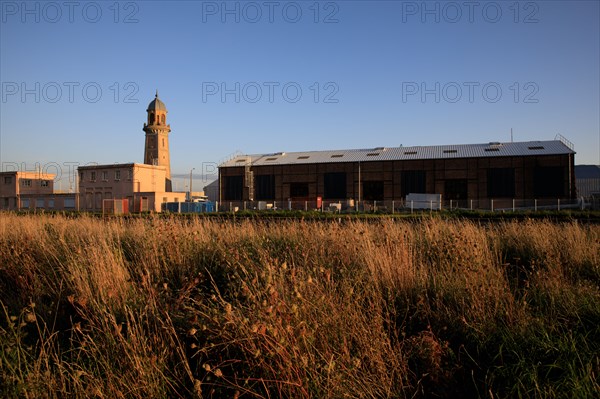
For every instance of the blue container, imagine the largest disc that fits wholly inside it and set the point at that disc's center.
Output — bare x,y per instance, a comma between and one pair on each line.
189,207
172,207
208,206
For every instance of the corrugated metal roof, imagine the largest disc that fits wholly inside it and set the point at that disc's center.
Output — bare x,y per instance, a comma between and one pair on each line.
554,147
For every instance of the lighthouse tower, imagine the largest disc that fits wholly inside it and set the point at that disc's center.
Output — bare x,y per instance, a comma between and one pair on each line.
156,149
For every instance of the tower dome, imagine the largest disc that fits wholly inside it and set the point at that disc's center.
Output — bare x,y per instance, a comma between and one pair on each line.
156,104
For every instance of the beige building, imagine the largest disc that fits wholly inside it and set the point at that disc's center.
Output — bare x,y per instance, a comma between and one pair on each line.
145,186
142,185
33,190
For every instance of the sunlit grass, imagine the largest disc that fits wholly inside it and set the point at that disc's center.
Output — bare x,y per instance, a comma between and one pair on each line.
161,307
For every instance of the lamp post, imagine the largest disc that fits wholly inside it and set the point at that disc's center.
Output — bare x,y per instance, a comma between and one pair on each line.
191,183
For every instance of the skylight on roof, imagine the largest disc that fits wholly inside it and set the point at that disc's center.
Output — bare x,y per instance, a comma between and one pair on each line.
303,157
337,155
536,147
410,152
271,159
449,151
372,154
491,149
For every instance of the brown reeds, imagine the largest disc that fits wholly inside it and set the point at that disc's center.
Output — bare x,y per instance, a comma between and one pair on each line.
168,307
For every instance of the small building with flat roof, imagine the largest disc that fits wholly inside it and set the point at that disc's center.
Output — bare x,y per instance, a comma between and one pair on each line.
142,185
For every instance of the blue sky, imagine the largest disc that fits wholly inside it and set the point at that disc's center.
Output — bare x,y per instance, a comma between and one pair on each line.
262,76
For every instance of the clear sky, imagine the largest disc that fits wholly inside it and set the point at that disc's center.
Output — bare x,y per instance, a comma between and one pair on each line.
269,76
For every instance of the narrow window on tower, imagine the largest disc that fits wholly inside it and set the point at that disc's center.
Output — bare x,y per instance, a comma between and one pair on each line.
163,140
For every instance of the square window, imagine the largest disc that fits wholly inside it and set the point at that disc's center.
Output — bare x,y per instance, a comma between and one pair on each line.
501,182
45,183
372,190
299,190
26,182
7,179
233,188
265,187
334,185
413,182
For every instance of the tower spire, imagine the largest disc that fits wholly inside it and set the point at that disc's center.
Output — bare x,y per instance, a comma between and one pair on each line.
156,96
156,149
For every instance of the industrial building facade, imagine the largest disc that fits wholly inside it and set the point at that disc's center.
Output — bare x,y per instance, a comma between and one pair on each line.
461,173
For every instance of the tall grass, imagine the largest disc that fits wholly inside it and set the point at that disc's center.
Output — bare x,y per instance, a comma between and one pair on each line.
163,307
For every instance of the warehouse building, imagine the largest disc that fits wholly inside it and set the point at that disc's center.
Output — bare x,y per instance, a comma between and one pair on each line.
469,175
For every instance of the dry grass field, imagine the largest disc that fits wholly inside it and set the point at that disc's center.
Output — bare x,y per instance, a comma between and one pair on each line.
169,307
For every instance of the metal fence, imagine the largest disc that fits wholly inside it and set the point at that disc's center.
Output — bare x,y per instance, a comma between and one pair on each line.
403,206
